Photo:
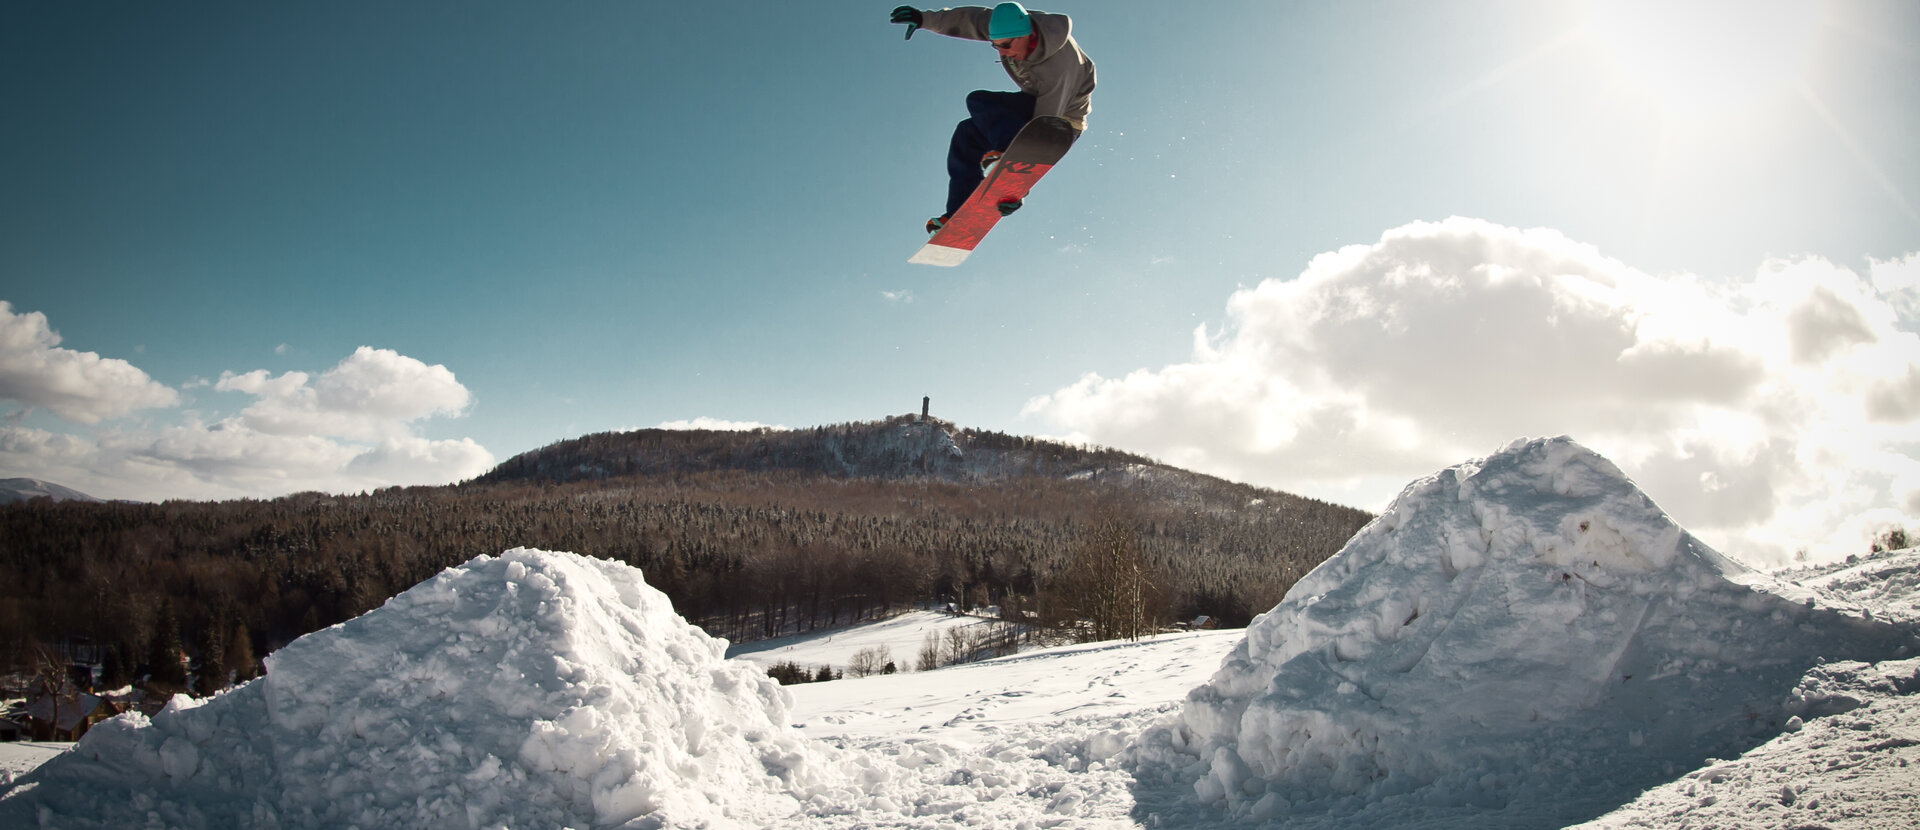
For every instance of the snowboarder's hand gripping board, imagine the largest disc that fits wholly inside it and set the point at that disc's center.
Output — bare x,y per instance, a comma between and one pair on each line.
1040,145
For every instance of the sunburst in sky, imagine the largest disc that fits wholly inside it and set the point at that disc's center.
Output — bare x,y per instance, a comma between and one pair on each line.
1705,58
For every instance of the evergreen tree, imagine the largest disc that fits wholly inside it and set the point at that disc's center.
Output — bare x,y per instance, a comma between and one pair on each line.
212,674
789,673
163,658
239,657
114,671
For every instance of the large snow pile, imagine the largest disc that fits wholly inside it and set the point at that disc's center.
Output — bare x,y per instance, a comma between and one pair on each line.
532,689
1517,641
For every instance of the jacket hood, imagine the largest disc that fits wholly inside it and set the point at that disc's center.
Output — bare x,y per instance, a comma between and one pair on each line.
1053,29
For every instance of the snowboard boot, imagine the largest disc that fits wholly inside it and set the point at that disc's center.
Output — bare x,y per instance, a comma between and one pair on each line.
936,223
1009,206
988,161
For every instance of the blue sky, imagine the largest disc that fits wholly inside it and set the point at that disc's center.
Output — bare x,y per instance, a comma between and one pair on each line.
250,249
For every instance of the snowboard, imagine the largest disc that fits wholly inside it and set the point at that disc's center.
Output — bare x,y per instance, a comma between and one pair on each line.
1038,146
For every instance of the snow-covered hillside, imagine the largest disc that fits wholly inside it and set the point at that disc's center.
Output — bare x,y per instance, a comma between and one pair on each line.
901,638
22,489
1521,641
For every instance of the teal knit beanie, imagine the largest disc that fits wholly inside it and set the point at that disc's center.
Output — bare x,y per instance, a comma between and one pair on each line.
1009,20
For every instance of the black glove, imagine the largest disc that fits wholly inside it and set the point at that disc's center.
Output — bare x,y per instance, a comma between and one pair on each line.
908,15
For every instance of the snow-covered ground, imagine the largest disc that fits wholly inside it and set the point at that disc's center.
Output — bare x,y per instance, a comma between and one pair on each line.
901,637
1520,641
977,705
22,756
1857,765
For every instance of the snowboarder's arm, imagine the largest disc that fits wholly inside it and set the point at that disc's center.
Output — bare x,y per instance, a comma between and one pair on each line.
965,22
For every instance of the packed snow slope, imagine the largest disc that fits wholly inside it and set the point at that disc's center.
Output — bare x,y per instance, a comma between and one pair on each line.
1524,640
901,638
1853,763
529,690
1877,587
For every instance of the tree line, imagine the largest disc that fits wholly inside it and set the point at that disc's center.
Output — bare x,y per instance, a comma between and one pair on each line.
750,534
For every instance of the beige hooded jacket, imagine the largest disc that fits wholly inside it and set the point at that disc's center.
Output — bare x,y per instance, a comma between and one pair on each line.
1058,75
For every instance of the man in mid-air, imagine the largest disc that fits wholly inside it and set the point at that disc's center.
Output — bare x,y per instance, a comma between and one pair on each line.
1039,53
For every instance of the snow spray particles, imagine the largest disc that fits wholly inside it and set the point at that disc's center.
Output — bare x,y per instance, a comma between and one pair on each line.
532,689
1527,635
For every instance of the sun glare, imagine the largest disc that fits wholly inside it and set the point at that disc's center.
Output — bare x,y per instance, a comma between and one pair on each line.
1698,58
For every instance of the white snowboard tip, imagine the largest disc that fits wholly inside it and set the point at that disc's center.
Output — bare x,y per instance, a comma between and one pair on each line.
931,254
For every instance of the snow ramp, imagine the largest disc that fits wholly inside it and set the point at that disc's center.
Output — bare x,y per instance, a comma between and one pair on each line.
532,689
1526,640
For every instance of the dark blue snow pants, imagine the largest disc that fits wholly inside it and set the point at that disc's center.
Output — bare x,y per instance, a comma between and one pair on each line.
996,118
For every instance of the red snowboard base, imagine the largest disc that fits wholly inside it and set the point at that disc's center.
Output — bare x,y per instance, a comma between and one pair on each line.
1033,152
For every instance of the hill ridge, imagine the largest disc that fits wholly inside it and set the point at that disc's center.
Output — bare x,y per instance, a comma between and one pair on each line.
898,447
23,489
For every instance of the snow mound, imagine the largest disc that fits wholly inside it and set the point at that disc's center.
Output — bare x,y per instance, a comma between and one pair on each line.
532,689
1527,635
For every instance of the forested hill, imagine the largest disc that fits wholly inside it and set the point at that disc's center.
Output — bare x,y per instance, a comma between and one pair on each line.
902,447
750,534
905,449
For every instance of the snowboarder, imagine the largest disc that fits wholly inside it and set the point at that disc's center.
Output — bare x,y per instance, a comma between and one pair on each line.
1039,53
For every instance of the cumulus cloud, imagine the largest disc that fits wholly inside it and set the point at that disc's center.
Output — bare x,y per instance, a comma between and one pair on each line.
373,395
353,427
79,386
1770,416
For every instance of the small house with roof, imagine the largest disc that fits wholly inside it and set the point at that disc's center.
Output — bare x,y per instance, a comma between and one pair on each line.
68,715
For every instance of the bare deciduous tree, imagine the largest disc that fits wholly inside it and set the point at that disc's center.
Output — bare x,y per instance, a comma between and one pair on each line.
869,661
1108,587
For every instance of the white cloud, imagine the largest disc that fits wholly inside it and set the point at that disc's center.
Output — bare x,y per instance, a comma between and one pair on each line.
1898,281
418,459
79,386
1769,416
351,428
901,296
227,460
718,424
373,395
